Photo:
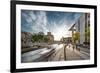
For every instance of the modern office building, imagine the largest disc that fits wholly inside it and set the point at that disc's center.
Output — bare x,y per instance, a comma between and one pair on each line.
81,26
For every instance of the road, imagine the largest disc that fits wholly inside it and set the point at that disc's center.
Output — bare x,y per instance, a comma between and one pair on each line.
55,53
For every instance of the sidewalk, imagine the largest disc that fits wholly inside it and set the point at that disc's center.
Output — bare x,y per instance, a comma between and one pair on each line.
71,54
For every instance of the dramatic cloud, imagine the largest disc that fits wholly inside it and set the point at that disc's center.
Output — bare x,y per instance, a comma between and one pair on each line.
57,23
59,29
35,21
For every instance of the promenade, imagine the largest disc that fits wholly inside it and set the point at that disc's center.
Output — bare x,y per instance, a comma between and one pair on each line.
56,53
68,53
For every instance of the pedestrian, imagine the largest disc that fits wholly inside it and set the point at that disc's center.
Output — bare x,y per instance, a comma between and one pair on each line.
73,46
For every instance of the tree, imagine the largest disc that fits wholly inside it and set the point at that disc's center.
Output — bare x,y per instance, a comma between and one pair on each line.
46,39
87,33
37,38
76,36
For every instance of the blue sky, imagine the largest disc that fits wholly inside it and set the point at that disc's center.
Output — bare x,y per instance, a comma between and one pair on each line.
57,23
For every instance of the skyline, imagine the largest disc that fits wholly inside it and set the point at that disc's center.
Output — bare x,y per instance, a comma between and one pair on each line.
57,23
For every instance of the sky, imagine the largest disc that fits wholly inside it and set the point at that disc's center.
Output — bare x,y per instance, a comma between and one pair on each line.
58,23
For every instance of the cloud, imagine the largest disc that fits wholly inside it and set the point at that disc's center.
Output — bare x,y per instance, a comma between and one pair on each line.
41,21
61,30
36,21
57,23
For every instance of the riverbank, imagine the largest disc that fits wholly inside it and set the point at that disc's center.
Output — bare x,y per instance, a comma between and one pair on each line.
23,50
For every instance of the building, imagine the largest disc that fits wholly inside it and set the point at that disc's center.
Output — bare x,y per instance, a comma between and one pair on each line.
66,39
50,37
81,26
26,39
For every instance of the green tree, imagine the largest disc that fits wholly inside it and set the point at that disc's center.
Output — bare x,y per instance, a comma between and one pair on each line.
76,36
37,38
87,33
46,39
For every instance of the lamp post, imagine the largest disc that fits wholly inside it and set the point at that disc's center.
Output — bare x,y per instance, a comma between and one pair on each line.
65,52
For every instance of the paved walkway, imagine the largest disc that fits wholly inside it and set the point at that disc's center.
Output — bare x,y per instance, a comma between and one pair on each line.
68,54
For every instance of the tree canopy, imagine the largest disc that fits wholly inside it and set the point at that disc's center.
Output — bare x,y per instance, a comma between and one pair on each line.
76,36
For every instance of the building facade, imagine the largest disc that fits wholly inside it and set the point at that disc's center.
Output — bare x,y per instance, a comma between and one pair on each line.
81,26
66,40
50,37
26,39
